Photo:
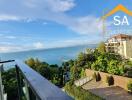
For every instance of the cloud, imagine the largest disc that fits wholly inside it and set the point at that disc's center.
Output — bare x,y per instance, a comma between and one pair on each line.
8,17
87,25
82,40
10,48
3,36
61,5
38,45
28,43
53,10
34,7
44,23
10,37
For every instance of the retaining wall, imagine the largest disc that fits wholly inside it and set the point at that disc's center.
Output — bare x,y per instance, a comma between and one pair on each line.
118,80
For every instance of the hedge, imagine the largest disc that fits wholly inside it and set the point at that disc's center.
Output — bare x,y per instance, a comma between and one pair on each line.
79,94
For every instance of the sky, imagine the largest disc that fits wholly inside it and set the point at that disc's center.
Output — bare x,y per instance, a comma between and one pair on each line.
38,24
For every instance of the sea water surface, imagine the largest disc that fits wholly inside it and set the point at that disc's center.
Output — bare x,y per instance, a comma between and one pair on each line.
51,56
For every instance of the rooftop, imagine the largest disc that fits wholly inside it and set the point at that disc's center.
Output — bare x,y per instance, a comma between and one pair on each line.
120,36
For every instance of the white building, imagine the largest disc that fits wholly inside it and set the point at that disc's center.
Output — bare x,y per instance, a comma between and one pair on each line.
121,44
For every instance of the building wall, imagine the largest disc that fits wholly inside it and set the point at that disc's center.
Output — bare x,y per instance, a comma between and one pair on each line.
121,48
118,80
129,49
124,49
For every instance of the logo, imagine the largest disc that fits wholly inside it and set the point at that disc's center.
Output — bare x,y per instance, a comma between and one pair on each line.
119,20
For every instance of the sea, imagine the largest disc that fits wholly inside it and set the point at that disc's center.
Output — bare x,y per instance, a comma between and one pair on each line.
51,56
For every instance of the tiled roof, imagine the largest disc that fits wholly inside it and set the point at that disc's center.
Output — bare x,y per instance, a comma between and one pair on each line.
122,36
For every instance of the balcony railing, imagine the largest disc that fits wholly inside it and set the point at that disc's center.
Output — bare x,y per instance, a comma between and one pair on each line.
36,87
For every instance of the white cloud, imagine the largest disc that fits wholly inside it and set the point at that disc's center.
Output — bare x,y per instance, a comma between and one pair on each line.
51,5
45,23
3,36
53,10
82,40
10,48
38,45
10,37
61,5
87,25
33,9
28,20
8,17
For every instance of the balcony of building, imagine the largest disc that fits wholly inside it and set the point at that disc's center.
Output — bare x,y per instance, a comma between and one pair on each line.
31,85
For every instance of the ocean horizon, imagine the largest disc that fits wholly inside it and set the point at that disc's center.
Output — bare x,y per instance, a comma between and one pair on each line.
51,55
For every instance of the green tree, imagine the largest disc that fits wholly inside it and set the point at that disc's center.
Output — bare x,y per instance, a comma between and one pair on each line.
10,84
82,73
113,67
129,86
95,66
96,53
101,47
71,62
81,60
60,75
89,51
48,71
102,65
44,70
74,72
31,62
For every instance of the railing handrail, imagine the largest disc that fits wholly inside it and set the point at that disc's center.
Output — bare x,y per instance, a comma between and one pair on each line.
7,61
42,88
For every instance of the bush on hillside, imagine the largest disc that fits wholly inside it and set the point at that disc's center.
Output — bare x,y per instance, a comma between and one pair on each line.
110,80
129,86
98,77
94,75
10,84
78,93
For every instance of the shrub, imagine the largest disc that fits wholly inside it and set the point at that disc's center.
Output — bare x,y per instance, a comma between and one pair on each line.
78,93
107,78
94,75
129,74
10,83
129,86
110,80
98,77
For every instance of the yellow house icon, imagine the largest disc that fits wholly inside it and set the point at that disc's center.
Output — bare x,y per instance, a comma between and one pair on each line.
120,7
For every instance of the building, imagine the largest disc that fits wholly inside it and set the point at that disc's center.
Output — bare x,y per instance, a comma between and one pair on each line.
121,44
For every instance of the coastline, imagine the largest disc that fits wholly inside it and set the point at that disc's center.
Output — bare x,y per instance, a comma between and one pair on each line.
51,55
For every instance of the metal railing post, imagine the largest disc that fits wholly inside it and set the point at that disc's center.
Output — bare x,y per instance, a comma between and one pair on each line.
1,85
2,95
26,90
37,87
1,88
18,83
